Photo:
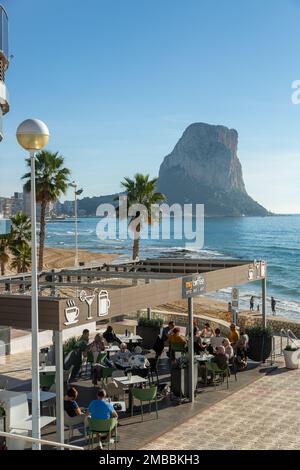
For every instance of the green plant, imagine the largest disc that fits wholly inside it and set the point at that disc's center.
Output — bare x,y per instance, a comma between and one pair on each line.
70,344
151,323
258,330
289,347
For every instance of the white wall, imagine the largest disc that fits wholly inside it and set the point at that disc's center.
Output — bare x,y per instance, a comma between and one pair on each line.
23,343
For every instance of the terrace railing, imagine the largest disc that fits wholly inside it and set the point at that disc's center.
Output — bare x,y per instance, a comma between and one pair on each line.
60,445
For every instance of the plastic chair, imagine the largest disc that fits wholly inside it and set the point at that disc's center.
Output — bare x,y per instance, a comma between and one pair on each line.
72,423
68,374
118,373
102,427
115,390
145,394
213,369
46,380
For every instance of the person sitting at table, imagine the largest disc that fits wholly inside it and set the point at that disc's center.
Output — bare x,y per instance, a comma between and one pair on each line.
121,359
101,409
97,345
198,343
167,331
246,337
138,360
110,336
228,348
176,337
216,340
71,406
234,335
241,353
207,331
220,358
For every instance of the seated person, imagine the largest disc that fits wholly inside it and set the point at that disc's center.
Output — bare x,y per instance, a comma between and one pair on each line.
98,344
138,360
246,337
167,331
110,336
228,348
241,353
176,337
220,358
216,340
234,335
100,408
207,331
71,406
121,359
199,346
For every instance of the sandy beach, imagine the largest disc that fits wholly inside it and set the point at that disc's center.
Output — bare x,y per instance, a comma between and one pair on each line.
56,258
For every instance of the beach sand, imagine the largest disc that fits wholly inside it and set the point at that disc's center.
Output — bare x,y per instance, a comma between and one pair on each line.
56,258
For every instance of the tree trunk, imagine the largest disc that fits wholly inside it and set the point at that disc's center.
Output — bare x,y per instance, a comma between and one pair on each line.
2,269
136,242
42,235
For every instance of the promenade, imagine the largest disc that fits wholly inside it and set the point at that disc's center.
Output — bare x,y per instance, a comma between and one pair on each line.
264,415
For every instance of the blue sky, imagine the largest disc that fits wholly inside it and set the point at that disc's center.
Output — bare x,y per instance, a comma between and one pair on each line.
118,81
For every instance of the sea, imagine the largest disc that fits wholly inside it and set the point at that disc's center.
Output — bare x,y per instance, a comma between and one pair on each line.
275,239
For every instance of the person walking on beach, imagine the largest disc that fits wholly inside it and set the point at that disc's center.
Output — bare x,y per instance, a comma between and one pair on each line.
252,303
273,305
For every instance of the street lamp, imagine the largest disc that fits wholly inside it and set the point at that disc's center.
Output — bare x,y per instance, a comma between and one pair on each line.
77,192
33,135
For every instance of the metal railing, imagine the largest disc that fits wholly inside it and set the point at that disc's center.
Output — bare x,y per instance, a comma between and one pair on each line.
290,337
39,441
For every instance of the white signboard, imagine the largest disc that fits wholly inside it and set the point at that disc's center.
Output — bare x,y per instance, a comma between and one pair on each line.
235,297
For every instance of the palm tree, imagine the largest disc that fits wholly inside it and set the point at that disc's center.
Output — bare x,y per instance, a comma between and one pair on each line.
52,180
20,229
21,257
141,190
4,253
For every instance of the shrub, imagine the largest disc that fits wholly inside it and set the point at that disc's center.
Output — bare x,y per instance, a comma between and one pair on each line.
151,323
289,347
258,330
70,344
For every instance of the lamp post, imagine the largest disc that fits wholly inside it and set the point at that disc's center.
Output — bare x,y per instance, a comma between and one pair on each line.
33,135
77,192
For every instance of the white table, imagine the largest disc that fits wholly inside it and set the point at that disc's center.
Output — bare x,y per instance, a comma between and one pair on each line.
204,358
26,424
122,403
113,348
44,397
48,369
130,339
135,380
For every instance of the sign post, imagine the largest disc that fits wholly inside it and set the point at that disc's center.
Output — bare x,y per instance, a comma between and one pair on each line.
235,296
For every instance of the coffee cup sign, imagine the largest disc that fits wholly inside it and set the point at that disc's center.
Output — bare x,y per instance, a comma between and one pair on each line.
71,313
103,303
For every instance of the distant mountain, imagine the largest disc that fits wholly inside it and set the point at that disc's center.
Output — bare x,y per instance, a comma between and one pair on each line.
204,168
88,205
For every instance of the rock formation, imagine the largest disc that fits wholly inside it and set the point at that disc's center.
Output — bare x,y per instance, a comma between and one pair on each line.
204,168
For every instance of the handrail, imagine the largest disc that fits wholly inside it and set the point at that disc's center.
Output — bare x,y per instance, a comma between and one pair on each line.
40,441
289,335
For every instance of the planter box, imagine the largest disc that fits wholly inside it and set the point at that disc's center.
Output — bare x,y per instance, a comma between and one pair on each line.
292,359
260,348
149,335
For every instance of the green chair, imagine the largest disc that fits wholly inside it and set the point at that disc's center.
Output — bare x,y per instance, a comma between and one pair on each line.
46,380
145,394
217,373
103,427
106,372
101,358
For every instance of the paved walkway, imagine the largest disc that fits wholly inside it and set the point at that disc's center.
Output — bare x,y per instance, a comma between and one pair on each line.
15,369
263,415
